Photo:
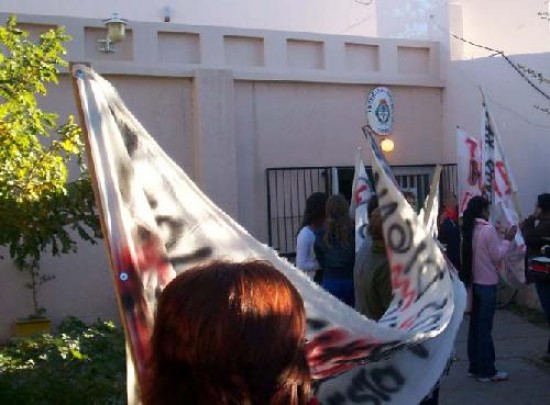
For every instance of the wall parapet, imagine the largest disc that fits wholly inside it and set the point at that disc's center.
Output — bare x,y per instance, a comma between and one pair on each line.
177,50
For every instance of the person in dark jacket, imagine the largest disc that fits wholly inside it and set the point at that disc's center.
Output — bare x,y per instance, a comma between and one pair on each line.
536,232
449,230
335,250
373,290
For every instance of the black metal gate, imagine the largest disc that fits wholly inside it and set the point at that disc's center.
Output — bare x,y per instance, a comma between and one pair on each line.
288,189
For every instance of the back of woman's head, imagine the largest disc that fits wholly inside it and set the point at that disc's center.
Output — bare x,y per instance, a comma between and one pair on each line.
375,226
477,208
229,334
543,202
372,205
314,213
338,224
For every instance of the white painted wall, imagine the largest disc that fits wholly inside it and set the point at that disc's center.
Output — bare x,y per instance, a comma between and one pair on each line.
508,25
515,28
413,19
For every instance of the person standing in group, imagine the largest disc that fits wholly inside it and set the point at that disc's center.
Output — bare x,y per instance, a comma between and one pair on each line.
411,199
229,334
373,290
335,250
482,252
449,230
536,232
314,217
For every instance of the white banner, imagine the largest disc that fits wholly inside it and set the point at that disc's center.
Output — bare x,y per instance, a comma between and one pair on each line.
158,224
469,168
427,294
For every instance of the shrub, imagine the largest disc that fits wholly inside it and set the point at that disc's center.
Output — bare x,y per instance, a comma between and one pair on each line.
79,365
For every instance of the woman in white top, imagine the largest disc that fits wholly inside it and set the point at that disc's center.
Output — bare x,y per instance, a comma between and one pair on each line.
314,217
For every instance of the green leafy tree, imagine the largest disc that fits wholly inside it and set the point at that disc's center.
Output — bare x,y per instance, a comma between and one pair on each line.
41,208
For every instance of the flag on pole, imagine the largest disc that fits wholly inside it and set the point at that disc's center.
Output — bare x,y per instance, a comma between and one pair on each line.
157,223
468,167
504,211
370,136
430,210
361,193
502,192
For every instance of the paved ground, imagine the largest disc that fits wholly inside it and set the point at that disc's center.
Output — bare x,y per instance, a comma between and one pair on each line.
519,347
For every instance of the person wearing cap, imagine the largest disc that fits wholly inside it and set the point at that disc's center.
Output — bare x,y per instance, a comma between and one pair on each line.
536,231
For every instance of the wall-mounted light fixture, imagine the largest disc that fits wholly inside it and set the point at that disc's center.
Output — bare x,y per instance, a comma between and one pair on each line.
387,145
116,30
167,13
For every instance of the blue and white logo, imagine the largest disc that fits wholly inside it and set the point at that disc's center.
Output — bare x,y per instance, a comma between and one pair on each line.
379,110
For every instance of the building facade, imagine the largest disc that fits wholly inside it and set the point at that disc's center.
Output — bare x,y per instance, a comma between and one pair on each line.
232,92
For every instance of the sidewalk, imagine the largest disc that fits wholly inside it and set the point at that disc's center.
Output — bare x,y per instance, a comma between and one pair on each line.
519,346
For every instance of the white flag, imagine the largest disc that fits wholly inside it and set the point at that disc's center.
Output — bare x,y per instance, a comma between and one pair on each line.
158,223
468,167
360,195
429,213
502,193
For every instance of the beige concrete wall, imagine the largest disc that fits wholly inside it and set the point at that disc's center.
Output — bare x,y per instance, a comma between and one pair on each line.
278,125
325,16
298,130
228,103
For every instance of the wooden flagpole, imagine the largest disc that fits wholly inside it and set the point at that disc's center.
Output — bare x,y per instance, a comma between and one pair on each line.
434,186
132,375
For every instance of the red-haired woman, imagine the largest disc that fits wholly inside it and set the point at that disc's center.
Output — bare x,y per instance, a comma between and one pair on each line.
229,334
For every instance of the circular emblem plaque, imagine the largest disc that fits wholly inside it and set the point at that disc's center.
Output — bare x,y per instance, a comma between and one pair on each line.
380,110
